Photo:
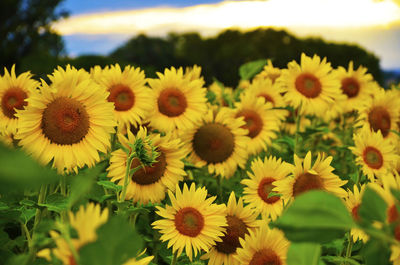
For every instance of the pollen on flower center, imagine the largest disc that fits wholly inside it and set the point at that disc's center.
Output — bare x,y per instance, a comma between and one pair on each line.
122,96
189,221
172,102
149,175
373,157
253,121
308,85
213,143
306,182
13,98
264,188
379,119
265,257
65,121
350,87
230,242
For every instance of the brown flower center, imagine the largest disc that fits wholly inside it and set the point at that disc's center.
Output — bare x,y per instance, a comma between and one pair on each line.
65,121
122,96
354,212
230,241
253,121
172,102
264,188
306,182
213,142
379,119
71,261
350,87
373,157
189,221
265,257
13,98
149,175
393,214
267,98
397,232
308,85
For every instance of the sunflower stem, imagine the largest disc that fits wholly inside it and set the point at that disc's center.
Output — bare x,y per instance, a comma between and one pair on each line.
126,178
219,184
63,189
175,258
27,235
349,247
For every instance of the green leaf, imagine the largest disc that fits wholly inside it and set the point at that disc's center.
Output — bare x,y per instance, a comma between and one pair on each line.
110,185
315,216
286,140
248,70
303,254
376,252
340,260
55,202
116,243
373,207
3,206
26,214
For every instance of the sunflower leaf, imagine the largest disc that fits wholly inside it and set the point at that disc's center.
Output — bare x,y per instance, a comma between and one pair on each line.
250,69
373,207
304,254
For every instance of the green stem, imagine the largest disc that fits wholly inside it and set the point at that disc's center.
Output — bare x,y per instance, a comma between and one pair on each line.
27,235
219,184
349,247
63,189
41,199
126,178
175,258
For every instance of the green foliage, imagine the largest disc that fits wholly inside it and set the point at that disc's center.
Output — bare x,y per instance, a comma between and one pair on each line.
315,216
248,70
373,207
304,254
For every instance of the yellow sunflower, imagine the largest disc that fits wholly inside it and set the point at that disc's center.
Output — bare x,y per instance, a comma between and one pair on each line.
260,184
221,93
140,260
265,246
132,99
375,154
14,91
357,85
306,177
85,222
193,222
353,202
262,122
309,86
194,73
149,183
243,84
179,102
67,122
240,220
270,92
269,72
218,142
381,112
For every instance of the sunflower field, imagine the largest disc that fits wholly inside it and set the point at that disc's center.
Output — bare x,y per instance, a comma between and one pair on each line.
294,166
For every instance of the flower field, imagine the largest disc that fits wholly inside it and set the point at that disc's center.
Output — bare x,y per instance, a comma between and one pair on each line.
294,166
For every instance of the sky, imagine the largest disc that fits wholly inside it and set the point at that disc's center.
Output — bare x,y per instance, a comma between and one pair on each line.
100,26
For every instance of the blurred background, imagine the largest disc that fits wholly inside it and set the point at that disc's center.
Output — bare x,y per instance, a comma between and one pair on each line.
38,35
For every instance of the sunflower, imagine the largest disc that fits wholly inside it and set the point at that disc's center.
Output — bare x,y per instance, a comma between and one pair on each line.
240,220
265,246
381,112
243,84
357,85
353,202
140,260
262,122
269,72
221,93
306,177
193,222
194,73
85,222
149,183
290,126
218,142
309,86
270,92
14,91
260,184
67,122
180,102
375,154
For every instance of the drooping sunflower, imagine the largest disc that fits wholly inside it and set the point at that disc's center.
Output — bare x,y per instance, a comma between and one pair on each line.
193,222
265,246
132,99
222,94
381,112
218,142
309,86
269,72
85,222
376,155
260,184
305,177
353,202
357,85
68,122
179,102
149,183
262,122
240,220
14,91
270,92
